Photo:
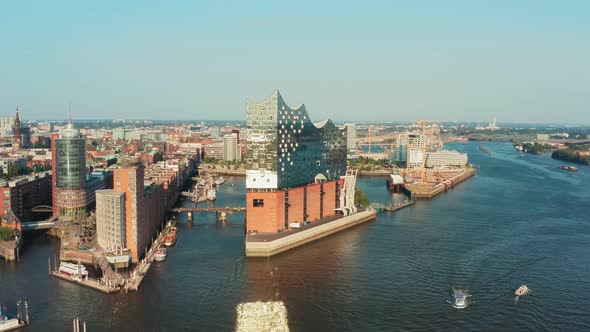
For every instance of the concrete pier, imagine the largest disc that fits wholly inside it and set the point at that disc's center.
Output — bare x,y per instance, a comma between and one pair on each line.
261,246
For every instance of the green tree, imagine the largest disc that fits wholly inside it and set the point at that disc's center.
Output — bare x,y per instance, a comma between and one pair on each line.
360,198
6,233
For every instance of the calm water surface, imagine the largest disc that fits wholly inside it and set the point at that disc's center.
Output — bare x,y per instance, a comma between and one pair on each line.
520,220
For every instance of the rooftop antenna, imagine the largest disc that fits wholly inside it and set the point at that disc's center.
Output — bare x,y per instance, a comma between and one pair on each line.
70,121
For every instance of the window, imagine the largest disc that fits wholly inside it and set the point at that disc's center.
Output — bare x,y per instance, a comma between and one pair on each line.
258,202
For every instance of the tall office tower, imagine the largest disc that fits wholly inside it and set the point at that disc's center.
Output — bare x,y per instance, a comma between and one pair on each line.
231,152
351,136
293,166
69,171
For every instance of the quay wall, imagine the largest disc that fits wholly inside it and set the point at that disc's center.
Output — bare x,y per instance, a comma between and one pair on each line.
426,192
270,248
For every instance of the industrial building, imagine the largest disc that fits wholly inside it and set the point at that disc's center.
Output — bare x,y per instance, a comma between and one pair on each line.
293,166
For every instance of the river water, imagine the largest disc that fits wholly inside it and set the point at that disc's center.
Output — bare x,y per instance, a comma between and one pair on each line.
518,221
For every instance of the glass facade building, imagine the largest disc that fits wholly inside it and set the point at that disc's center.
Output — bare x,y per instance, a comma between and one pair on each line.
70,173
285,149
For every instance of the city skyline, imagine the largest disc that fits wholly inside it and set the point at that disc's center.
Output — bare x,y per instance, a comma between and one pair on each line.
462,61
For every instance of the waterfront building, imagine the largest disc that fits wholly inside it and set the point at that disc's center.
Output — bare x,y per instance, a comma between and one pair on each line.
446,159
110,220
69,171
401,149
293,166
231,151
214,150
21,194
143,209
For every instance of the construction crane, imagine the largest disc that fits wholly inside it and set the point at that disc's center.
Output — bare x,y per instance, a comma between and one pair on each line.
422,124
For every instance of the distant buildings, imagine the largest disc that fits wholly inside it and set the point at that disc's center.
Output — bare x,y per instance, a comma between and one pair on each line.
542,137
293,166
350,136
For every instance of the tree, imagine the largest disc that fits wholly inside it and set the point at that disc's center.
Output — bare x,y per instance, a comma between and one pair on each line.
360,198
6,233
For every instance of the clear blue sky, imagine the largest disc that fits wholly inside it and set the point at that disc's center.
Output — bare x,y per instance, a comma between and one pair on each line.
397,60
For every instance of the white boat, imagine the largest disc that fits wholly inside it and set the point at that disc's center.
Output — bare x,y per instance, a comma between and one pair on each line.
75,270
522,290
220,181
460,299
160,255
211,194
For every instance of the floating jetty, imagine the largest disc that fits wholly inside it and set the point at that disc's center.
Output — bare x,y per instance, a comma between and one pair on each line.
266,245
398,206
21,320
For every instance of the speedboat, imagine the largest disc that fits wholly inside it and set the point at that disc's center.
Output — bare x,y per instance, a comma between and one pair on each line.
460,299
522,290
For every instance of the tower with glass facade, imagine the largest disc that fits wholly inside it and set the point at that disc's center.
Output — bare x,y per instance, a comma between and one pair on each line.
70,173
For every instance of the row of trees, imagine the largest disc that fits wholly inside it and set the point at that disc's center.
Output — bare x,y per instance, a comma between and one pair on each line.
17,169
571,156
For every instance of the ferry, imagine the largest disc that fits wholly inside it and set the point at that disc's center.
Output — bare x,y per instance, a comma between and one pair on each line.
76,270
170,239
460,299
160,255
569,168
522,290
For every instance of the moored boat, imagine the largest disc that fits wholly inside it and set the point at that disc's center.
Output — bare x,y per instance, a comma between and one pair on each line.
170,239
160,254
75,270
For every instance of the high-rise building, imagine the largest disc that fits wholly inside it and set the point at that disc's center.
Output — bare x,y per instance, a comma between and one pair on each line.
293,166
415,150
69,172
351,136
110,220
231,151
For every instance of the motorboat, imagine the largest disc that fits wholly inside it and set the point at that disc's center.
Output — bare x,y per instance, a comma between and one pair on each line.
522,290
569,168
160,255
460,299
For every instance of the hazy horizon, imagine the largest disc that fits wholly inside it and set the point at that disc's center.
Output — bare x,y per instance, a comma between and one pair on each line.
461,61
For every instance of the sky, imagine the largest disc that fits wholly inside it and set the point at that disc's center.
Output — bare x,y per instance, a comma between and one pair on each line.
522,61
